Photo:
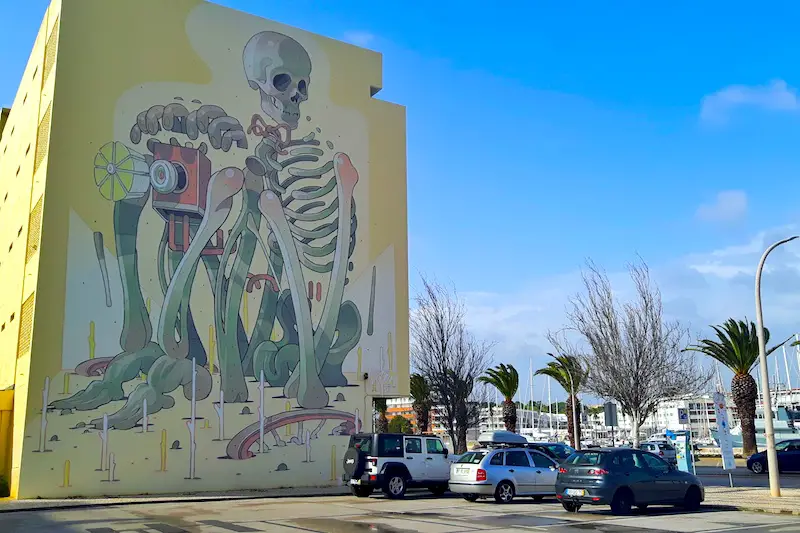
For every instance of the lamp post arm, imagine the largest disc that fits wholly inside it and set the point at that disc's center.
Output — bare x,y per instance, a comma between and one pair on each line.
769,428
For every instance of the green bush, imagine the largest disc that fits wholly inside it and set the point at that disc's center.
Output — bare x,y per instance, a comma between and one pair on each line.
400,424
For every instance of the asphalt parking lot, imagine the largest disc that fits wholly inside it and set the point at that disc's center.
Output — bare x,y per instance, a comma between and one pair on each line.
417,513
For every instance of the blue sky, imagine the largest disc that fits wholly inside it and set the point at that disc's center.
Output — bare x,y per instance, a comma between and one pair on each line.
541,133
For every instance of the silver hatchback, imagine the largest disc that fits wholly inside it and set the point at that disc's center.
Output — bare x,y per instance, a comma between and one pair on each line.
503,473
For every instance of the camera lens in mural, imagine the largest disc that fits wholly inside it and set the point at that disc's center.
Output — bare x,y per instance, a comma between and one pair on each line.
168,177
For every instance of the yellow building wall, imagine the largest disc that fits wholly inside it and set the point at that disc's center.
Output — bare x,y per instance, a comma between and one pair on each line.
23,163
223,280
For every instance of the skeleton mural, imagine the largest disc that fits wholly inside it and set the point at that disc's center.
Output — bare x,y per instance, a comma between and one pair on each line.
297,209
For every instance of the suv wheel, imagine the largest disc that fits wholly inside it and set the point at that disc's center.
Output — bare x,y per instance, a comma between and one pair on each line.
504,492
360,491
395,485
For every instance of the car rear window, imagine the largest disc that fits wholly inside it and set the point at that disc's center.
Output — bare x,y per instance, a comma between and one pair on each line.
361,442
560,451
472,458
586,458
667,447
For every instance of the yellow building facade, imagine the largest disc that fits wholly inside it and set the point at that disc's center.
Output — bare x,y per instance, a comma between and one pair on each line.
203,245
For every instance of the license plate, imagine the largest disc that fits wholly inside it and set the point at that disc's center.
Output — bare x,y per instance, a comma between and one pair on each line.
575,492
355,482
462,470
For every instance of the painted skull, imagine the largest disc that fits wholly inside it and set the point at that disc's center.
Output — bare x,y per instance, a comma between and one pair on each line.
278,67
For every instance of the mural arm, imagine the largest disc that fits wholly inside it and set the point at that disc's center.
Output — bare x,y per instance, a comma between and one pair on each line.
222,130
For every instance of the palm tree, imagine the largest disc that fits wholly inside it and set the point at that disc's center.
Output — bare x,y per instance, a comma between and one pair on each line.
421,394
505,379
737,348
560,369
381,408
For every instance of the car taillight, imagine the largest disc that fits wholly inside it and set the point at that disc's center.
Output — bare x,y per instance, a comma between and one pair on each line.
598,472
661,453
562,470
480,475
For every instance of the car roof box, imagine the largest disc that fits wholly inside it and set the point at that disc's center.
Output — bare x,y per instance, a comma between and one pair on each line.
501,438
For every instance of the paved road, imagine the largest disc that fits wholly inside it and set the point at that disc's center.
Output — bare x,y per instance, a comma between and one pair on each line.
742,477
417,513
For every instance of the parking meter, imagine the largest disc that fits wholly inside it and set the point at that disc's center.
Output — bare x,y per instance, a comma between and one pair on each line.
683,451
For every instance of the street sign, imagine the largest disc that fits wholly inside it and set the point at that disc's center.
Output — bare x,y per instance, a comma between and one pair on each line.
724,432
610,411
683,416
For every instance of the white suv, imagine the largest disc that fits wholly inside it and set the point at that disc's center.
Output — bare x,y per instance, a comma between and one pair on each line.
663,449
394,462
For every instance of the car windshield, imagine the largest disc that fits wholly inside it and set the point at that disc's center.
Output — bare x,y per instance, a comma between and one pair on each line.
586,458
471,458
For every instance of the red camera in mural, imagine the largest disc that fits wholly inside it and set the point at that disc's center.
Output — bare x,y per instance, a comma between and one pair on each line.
180,176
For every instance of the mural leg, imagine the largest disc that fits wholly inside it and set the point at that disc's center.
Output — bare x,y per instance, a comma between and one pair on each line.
228,303
307,387
221,188
166,375
138,352
136,328
265,320
196,348
123,368
349,327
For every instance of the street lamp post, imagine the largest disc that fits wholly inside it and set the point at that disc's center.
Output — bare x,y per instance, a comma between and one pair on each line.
772,455
575,427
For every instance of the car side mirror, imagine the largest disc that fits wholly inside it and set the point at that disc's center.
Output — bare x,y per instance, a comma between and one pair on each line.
446,453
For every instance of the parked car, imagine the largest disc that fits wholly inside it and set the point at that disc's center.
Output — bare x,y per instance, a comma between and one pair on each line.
504,468
394,462
663,449
624,478
555,450
788,458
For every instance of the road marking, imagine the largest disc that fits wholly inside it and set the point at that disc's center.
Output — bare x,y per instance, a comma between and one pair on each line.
227,525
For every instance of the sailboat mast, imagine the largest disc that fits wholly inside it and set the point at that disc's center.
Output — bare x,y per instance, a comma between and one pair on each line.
788,374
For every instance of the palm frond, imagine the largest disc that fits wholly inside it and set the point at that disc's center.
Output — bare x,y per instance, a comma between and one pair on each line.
564,367
736,345
504,378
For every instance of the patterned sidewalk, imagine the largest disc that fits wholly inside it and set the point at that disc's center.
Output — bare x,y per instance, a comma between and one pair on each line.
755,499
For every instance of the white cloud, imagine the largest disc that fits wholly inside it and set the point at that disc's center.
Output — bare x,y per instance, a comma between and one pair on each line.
698,289
775,96
359,38
728,206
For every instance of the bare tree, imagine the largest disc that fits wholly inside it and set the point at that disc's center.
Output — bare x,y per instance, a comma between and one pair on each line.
449,357
635,355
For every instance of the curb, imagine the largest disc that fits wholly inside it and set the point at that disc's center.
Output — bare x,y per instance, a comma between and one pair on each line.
83,504
789,512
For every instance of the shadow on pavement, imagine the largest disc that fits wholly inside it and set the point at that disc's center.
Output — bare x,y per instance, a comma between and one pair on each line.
35,522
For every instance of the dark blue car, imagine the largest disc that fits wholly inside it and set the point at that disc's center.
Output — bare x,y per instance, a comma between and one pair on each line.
788,458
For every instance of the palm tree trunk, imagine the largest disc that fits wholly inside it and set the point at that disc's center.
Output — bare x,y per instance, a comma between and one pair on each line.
745,392
383,423
422,414
510,416
573,438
